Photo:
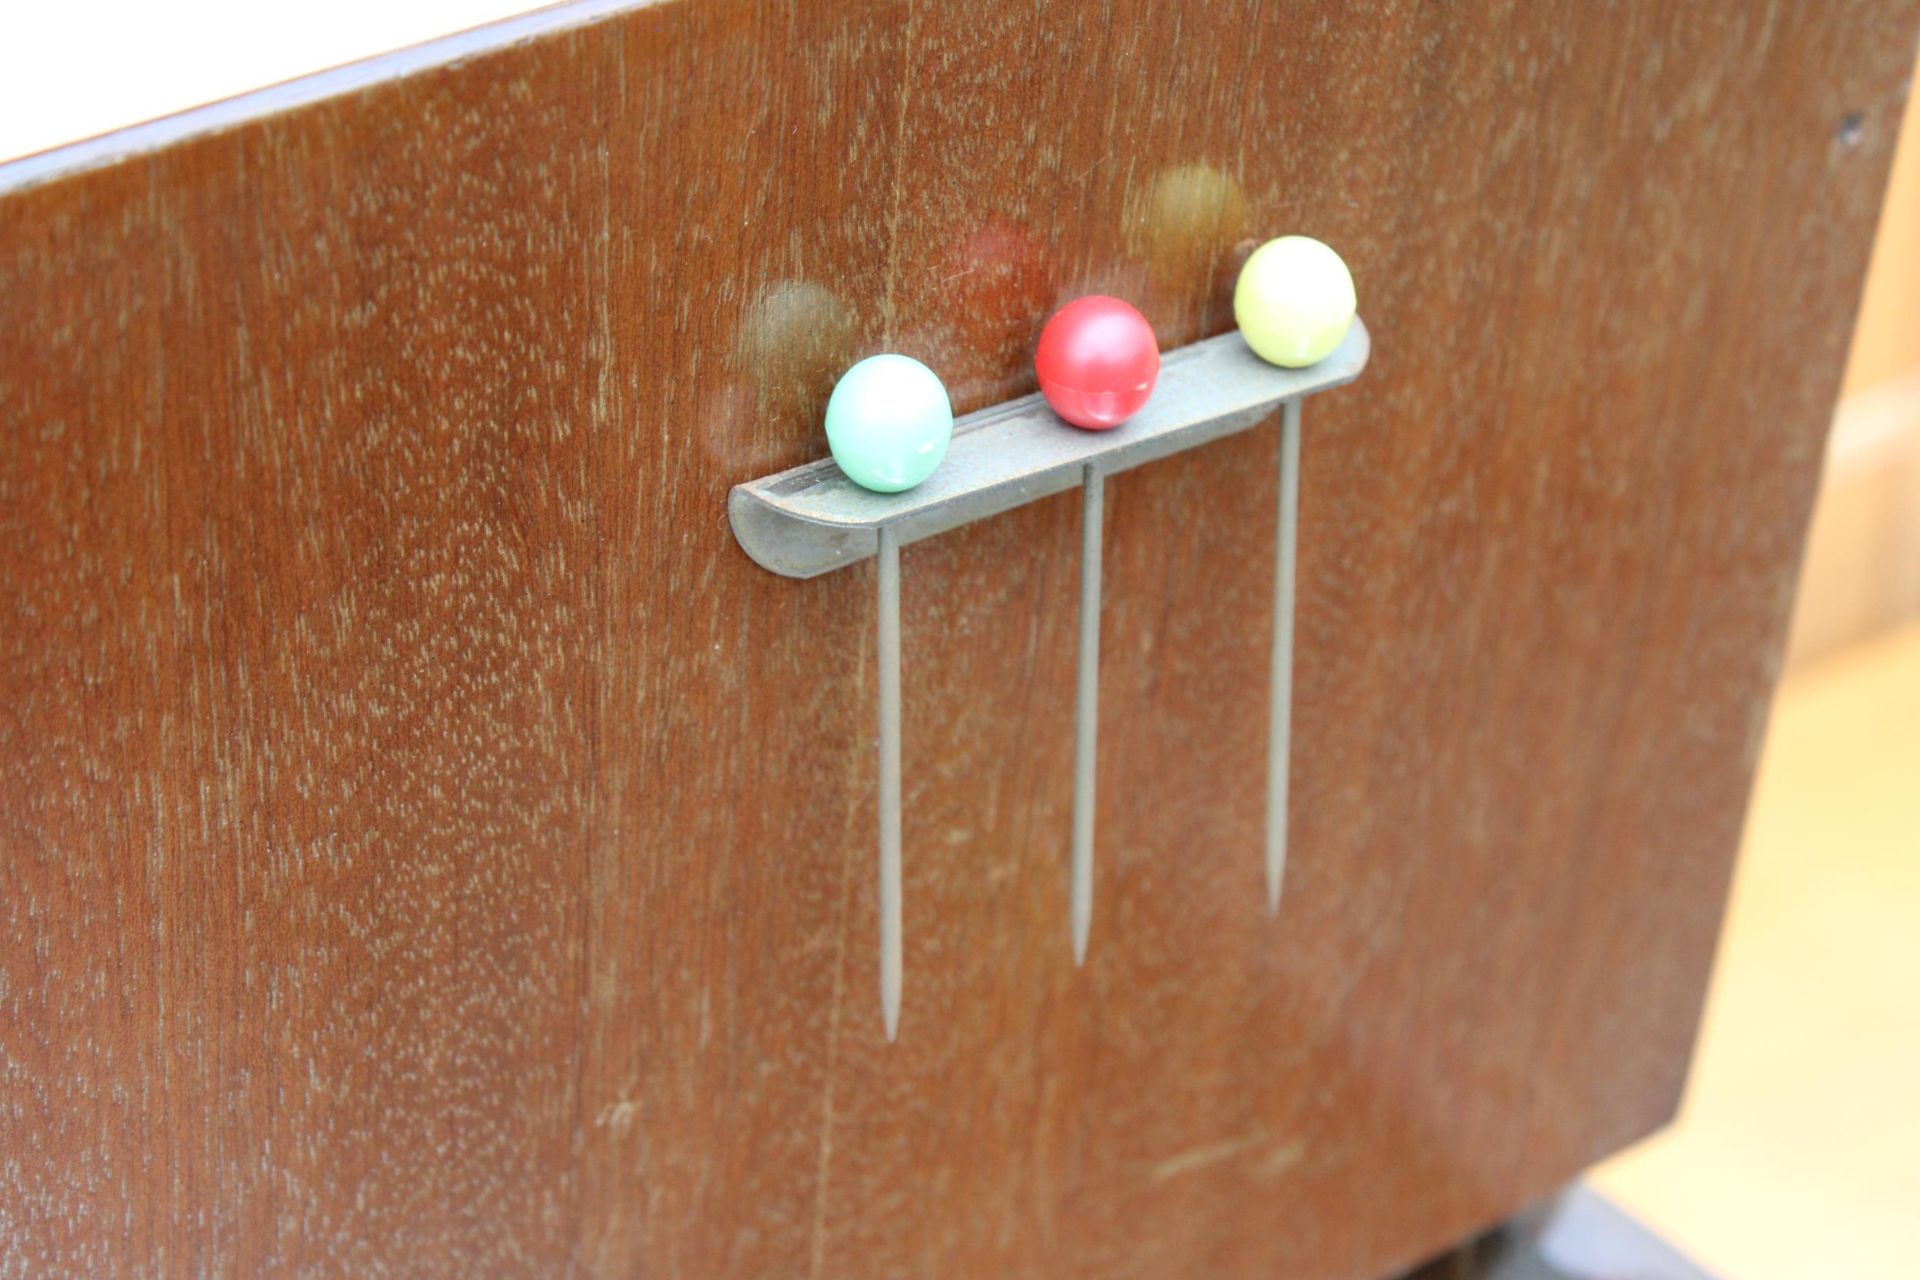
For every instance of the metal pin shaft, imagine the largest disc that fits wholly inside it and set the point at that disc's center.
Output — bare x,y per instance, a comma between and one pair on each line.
889,797
1280,722
1086,710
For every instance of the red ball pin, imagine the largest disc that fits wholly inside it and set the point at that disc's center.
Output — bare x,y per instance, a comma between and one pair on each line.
1097,362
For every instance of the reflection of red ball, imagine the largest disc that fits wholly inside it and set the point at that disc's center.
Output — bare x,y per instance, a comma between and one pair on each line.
1097,361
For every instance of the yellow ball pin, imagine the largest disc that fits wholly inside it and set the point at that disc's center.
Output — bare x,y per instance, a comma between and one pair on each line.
1294,301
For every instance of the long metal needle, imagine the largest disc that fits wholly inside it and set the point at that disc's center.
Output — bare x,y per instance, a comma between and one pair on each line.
889,612
1086,710
1280,722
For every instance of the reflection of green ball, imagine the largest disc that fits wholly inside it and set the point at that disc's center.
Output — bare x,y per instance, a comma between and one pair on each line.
1294,302
889,423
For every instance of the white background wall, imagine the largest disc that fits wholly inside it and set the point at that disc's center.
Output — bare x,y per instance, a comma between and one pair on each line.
71,70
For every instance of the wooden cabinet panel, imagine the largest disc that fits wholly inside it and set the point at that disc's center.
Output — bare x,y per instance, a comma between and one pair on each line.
429,846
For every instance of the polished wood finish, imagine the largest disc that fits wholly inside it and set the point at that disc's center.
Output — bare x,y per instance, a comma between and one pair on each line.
429,846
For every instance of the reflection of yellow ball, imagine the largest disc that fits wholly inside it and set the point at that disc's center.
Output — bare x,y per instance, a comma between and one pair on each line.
1294,302
1187,220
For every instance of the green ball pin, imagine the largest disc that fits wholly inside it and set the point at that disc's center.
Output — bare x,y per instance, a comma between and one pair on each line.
1294,303
889,423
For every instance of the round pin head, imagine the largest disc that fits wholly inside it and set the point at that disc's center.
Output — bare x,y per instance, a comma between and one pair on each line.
1294,301
1097,362
889,423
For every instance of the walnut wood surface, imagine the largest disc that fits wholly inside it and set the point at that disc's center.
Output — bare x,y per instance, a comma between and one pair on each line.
428,846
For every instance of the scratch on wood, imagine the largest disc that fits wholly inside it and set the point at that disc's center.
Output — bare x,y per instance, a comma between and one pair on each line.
1200,1157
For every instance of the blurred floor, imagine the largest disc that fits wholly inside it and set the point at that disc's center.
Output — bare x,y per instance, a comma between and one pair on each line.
1797,1151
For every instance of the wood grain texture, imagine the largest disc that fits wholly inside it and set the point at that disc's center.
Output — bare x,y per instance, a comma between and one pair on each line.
429,847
